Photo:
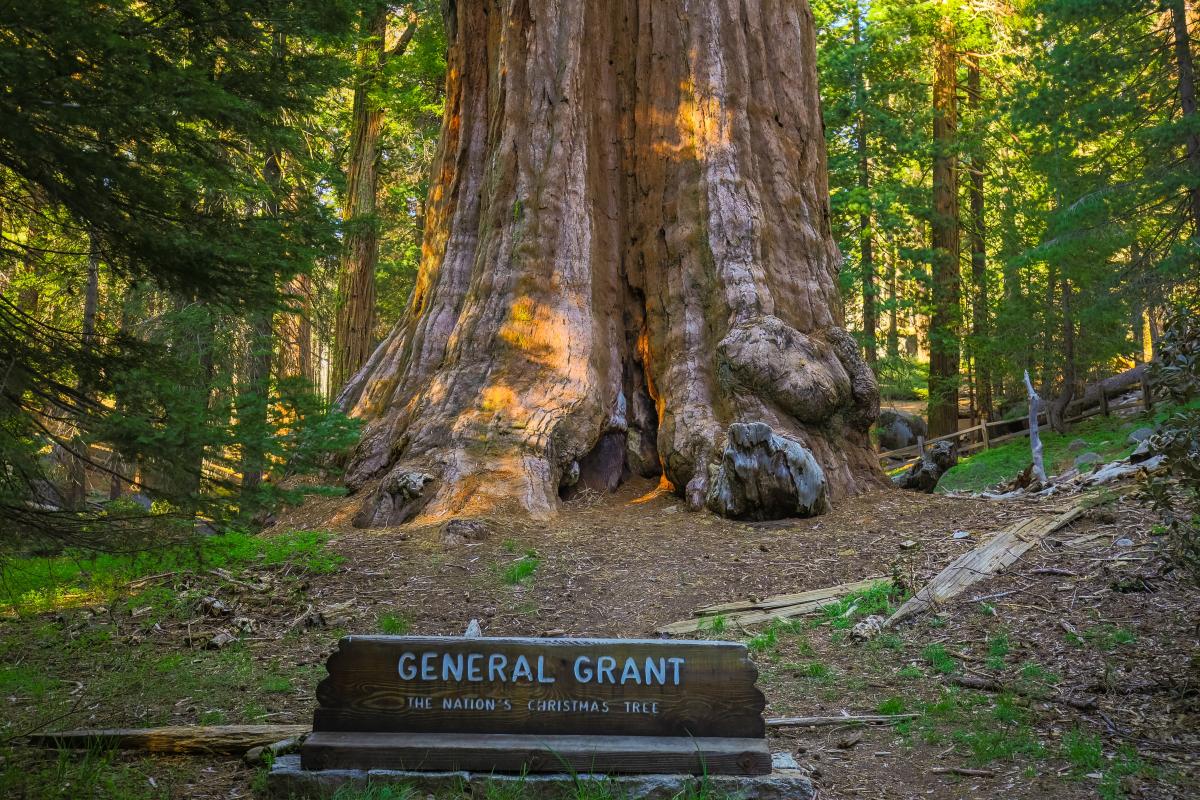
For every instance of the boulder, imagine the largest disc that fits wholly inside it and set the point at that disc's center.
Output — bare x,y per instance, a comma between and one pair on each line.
896,429
1140,435
1076,445
763,475
1084,460
1141,453
924,475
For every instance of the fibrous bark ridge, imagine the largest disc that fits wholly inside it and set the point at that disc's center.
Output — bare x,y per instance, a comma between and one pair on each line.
627,251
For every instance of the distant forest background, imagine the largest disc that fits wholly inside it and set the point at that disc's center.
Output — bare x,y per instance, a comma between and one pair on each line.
212,211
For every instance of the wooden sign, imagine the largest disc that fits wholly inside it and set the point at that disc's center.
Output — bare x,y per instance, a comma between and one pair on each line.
514,704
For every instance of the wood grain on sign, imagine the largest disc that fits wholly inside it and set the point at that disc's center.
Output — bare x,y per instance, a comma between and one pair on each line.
597,687
526,753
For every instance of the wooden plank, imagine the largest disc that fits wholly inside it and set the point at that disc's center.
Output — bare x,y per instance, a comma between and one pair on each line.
530,753
605,687
782,600
816,600
233,739
986,560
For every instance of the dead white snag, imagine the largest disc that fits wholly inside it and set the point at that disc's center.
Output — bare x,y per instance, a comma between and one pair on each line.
986,560
1035,440
820,722
780,607
231,739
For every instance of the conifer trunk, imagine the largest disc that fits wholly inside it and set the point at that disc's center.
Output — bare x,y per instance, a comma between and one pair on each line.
870,314
627,249
355,321
979,300
945,319
1187,98
354,326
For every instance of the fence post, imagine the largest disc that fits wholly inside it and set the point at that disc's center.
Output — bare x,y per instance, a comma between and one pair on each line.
1103,401
987,440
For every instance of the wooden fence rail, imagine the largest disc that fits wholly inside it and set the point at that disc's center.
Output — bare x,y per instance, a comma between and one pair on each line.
903,457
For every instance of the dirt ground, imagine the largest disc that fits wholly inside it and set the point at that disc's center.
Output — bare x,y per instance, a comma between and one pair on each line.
1099,647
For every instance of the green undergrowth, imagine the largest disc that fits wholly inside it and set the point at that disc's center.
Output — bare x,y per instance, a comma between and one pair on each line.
39,584
878,599
1108,437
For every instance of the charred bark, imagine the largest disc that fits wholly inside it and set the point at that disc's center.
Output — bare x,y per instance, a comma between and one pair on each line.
627,243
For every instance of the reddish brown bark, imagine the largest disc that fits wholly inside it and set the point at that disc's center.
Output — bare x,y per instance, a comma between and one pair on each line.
944,322
354,326
627,249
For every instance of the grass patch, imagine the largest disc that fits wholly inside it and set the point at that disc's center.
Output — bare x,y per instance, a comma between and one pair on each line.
880,599
998,648
276,684
892,705
395,624
1084,751
979,728
522,569
40,584
769,637
939,659
1105,436
84,774
815,671
1103,637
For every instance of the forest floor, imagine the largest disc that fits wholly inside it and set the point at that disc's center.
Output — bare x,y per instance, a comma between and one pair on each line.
1103,624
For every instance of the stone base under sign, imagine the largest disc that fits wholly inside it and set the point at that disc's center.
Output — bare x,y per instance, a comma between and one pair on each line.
786,782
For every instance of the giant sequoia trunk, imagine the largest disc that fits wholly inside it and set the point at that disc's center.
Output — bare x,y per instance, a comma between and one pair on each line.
627,250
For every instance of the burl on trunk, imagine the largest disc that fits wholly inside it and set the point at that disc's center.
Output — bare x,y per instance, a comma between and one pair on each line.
627,256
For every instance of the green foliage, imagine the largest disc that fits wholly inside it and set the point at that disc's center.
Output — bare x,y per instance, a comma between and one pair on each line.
892,705
164,182
902,378
36,584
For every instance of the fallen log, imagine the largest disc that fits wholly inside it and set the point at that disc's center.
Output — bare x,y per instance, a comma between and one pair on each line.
224,739
986,560
1109,388
819,722
745,613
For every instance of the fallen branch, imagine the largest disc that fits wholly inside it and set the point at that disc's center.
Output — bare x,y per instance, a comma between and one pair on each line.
990,685
230,739
972,773
820,722
256,755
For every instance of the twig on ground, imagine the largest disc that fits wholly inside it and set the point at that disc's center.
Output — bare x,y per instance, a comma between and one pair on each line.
816,722
972,773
